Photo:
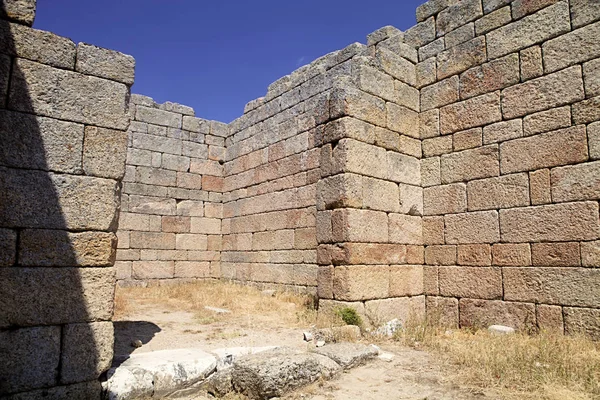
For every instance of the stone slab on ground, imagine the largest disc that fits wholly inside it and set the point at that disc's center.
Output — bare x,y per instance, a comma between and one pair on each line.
158,374
348,355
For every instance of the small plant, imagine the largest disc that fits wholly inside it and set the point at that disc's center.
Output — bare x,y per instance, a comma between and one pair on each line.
349,316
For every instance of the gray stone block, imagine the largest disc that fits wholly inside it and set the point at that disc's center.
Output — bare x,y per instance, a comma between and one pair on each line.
4,78
33,44
52,296
194,124
457,15
382,34
105,63
48,248
36,199
87,351
22,11
40,143
51,92
104,152
8,247
158,117
30,358
78,391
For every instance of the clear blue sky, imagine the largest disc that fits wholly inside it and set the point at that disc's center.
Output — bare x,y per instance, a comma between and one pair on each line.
216,55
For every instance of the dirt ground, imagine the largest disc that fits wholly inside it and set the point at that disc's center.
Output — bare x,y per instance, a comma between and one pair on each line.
412,374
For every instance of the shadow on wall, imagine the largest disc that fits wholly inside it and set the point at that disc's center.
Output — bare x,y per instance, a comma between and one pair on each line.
53,278
126,332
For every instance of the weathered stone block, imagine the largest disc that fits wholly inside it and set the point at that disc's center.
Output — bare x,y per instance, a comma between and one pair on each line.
206,225
429,124
566,286
74,97
551,223
432,49
473,282
426,72
520,8
533,29
502,131
158,117
539,187
565,146
401,168
457,15
491,76
105,63
87,351
273,240
358,104
401,308
421,33
411,199
430,172
587,111
460,35
564,254
590,254
432,7
502,192
47,296
440,94
554,90
576,182
493,20
359,226
30,358
380,195
49,248
474,254
433,230
40,143
153,269
22,11
35,199
482,313
572,48
373,81
591,77
191,269
430,281
177,224
406,280
405,229
545,121
396,66
583,12
549,318
152,240
437,146
440,255
8,247
470,164
381,34
468,139
462,57
582,321
446,199
361,282
442,311
511,255
339,191
473,227
470,113
531,63
403,120
104,152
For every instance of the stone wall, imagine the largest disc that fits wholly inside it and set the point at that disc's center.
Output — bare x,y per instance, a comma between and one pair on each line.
63,122
171,206
509,111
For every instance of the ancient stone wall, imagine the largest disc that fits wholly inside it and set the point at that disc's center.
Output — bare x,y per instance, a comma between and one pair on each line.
509,111
171,205
63,122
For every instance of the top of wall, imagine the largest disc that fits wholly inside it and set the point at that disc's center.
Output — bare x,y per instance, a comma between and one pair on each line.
21,11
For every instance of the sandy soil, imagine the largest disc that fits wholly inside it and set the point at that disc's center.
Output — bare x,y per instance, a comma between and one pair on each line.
412,374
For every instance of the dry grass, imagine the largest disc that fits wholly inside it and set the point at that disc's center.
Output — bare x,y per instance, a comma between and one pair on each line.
546,365
284,309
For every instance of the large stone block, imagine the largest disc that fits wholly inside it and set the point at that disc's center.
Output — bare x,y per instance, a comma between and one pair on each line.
361,282
474,254
360,226
591,77
506,191
8,247
380,195
430,172
554,90
152,240
576,182
35,199
404,309
104,152
502,131
550,318
445,199
531,63
582,321
590,254
546,121
41,46
483,313
403,120
520,8
583,12
437,146
396,66
473,282
22,11
105,63
433,230
411,199
47,296
551,223
40,143
468,139
579,287
356,103
462,57
587,111
442,311
192,269
49,248
491,76
511,255
30,358
493,20
565,146
432,7
440,255
87,351
457,15
477,111
158,117
459,35
51,92
77,391
421,33
439,94
373,81
405,229
562,254
401,168
338,191
406,280
470,164
572,48
533,29
472,227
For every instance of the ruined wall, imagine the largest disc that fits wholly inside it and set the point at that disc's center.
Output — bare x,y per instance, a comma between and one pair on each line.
171,207
63,122
509,111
